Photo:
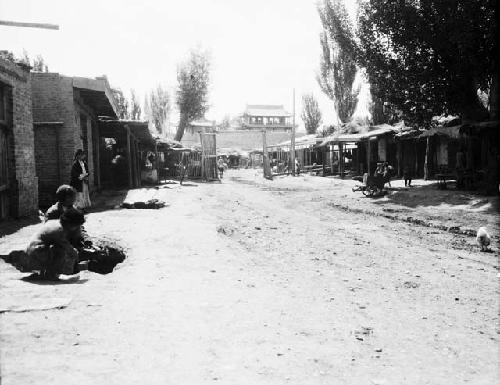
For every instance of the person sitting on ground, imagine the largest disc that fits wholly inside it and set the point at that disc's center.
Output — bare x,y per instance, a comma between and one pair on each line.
66,197
50,251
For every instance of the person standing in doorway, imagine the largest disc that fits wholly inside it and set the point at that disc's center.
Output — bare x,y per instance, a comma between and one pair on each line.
80,180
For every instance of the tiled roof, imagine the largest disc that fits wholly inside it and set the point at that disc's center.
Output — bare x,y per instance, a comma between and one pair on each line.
266,110
246,140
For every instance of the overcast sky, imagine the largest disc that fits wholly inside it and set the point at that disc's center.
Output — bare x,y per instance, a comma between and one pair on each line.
261,49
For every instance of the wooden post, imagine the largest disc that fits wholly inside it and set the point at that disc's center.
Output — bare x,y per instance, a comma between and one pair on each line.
427,158
265,157
203,171
368,157
157,163
416,159
399,153
341,159
292,142
129,158
98,156
138,163
323,160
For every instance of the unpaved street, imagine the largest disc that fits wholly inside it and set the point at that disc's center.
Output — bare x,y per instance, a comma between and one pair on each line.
258,282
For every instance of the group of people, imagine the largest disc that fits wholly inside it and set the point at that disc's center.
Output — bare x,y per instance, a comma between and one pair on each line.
54,249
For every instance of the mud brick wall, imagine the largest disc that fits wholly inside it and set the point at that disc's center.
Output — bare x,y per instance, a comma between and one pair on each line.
57,112
23,190
53,103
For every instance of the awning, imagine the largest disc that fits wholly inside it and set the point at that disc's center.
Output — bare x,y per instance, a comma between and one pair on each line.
300,143
115,128
377,131
97,94
450,132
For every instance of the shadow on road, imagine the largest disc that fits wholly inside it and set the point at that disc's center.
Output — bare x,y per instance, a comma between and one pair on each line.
430,195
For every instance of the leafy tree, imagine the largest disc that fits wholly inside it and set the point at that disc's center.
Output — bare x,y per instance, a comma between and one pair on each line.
39,64
329,130
7,55
337,64
193,76
225,123
159,106
135,108
25,59
429,57
121,103
311,114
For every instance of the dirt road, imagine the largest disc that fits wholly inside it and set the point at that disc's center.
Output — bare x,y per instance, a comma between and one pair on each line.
257,282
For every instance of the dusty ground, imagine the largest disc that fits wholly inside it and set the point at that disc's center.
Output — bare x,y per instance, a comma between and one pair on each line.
291,281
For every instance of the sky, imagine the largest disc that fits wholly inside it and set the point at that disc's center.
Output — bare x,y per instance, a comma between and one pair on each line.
260,49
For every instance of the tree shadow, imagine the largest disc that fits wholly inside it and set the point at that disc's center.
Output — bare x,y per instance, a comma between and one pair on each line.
429,195
11,226
107,200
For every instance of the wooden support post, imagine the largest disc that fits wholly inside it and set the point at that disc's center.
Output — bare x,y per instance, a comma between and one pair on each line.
203,168
129,158
341,159
265,155
137,163
399,159
427,158
157,163
292,141
416,158
368,157
98,139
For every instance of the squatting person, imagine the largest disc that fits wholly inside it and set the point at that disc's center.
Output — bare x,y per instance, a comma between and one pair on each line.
66,198
50,251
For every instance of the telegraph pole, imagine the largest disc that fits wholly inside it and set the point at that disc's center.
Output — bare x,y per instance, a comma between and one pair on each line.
292,141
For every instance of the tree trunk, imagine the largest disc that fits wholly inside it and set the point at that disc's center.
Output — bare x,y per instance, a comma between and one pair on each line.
183,122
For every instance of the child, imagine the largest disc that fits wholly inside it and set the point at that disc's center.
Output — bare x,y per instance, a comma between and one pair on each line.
51,251
66,197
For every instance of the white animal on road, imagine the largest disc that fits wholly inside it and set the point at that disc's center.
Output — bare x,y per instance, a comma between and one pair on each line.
483,239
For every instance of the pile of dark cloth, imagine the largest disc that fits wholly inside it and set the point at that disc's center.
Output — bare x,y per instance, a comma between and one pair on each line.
149,204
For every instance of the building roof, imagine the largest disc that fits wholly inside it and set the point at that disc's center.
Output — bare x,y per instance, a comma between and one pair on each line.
245,140
118,127
374,132
97,94
202,123
266,110
301,142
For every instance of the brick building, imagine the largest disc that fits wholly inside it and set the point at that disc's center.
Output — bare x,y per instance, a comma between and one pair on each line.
18,181
66,113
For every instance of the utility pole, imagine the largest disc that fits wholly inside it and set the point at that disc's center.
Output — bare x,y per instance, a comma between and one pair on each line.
292,141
